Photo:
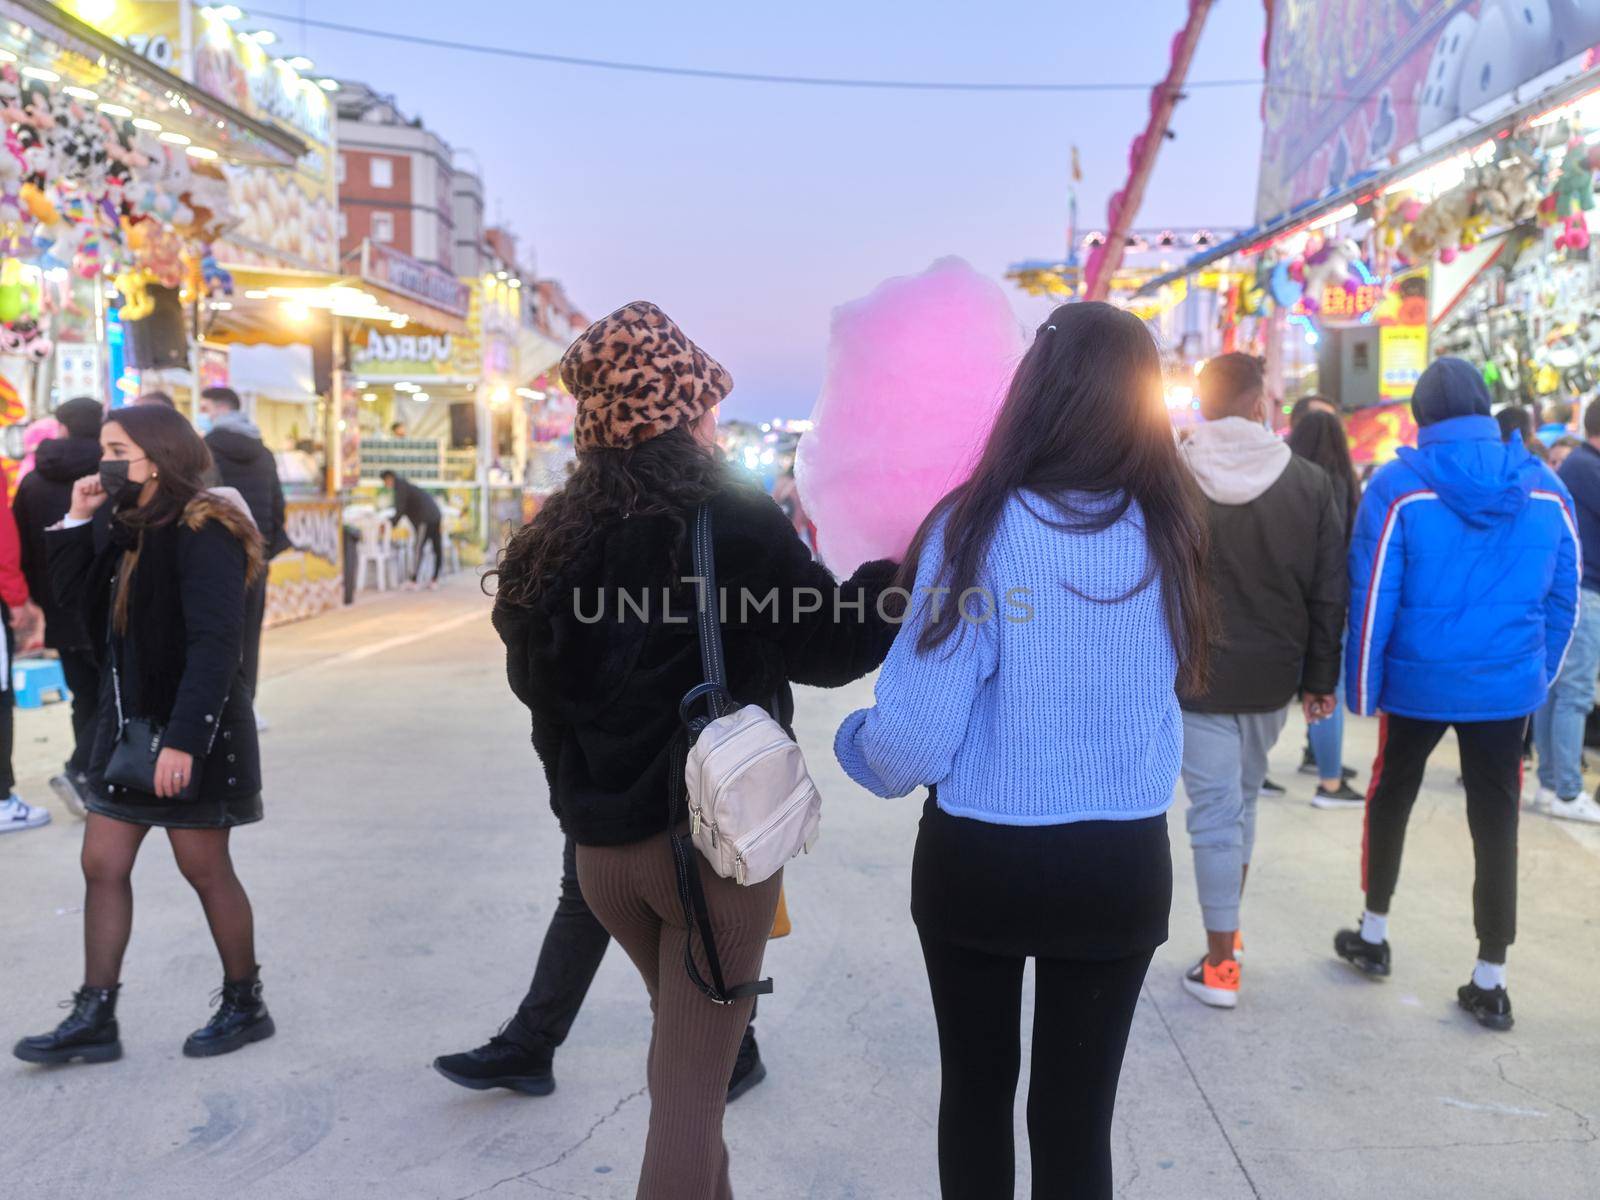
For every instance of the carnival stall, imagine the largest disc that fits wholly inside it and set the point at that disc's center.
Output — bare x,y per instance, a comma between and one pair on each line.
1410,207
112,193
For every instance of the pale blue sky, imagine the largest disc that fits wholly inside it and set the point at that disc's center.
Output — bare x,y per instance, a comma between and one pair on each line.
749,210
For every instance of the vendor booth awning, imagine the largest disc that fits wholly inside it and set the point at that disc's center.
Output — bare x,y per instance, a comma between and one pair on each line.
537,352
274,307
38,33
282,373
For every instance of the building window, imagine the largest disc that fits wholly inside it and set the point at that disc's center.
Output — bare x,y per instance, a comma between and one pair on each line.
344,224
383,227
382,171
339,169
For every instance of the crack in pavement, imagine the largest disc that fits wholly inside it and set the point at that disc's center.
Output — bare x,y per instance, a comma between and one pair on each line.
526,1176
1472,1145
1199,1087
555,1191
1584,1122
1133,1157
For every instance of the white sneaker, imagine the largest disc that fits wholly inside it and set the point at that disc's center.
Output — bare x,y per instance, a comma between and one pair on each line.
1542,800
15,815
1580,808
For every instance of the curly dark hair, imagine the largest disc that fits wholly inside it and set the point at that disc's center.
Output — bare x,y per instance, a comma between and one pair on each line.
668,475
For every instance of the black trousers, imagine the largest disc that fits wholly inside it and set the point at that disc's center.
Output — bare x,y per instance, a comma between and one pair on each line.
255,613
83,680
1082,1012
428,535
1491,768
574,944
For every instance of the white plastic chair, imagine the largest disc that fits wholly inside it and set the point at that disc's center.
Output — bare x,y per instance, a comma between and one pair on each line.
375,549
404,547
449,522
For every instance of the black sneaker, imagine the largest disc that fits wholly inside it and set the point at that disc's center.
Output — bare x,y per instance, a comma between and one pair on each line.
1361,954
1343,796
1490,1007
748,1069
242,1018
1308,762
1347,772
1269,788
500,1063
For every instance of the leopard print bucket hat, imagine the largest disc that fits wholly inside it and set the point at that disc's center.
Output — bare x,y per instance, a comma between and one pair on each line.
635,375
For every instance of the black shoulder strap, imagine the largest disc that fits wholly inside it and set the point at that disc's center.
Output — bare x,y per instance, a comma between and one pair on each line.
696,914
710,612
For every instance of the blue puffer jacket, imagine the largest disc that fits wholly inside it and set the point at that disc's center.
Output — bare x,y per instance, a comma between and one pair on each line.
1464,573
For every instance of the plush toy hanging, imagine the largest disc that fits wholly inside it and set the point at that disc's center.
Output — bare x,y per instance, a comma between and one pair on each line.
916,373
69,176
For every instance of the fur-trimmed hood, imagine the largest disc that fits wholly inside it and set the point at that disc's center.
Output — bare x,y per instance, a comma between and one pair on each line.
227,508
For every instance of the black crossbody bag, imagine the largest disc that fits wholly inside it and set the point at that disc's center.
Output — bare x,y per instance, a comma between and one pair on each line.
138,745
133,758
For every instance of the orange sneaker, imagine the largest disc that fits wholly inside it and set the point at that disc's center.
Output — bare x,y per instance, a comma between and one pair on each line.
1217,985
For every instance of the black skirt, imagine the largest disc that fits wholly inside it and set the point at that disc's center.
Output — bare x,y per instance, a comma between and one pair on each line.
1082,890
223,813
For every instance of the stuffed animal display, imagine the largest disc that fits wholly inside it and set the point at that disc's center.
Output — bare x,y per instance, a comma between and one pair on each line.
87,193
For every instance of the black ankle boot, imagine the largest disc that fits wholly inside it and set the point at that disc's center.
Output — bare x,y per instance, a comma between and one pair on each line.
241,1018
89,1034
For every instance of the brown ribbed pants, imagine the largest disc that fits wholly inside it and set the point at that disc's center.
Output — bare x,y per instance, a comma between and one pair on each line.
634,891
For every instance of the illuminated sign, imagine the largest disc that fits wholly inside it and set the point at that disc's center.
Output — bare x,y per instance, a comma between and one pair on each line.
1340,303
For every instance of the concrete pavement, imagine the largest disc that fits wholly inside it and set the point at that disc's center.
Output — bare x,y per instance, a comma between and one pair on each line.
408,865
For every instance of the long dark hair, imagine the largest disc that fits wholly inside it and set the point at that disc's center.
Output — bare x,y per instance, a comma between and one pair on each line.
177,455
1320,438
669,475
180,460
1085,415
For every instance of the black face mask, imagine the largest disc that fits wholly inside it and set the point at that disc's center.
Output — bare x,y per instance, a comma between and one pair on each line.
114,478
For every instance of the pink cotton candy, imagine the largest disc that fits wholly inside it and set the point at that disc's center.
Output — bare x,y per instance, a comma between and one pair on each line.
916,373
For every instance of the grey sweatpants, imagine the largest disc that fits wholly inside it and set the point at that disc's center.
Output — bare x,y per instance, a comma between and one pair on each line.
1224,762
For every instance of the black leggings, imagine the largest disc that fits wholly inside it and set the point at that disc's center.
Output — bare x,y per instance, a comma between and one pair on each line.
1082,1012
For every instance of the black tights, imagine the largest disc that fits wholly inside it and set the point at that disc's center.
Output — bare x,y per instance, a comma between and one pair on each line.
109,850
1082,1013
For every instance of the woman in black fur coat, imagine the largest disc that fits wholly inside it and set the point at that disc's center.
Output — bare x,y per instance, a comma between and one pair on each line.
160,564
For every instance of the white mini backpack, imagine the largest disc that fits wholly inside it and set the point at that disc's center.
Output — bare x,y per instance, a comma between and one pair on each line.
751,803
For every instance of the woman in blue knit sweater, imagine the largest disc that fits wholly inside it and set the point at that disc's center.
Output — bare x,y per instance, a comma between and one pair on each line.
1058,603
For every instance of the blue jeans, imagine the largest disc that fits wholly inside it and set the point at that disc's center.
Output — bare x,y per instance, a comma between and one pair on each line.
1558,725
1327,737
